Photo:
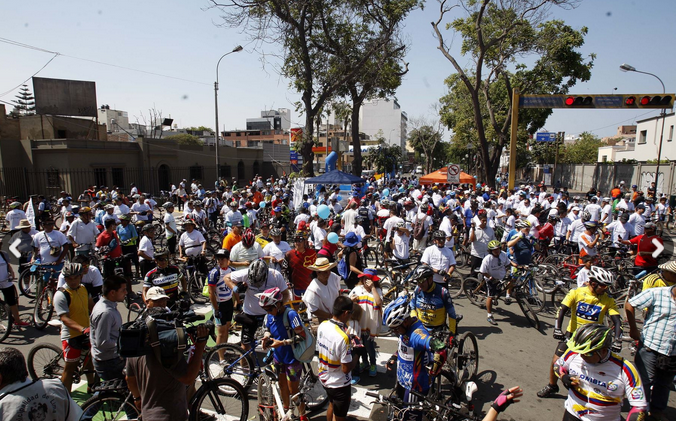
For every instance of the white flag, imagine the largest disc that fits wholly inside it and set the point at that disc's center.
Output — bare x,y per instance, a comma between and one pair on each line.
30,213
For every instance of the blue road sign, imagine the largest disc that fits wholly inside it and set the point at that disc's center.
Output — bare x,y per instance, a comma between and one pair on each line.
545,137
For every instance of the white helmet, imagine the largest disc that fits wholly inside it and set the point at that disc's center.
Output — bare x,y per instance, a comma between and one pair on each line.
396,312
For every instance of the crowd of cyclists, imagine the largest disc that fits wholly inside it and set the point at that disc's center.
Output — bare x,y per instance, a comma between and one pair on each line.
254,250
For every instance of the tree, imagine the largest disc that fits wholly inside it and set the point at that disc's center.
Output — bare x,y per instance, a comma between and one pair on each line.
186,139
584,151
24,104
199,129
307,32
385,158
497,34
152,123
425,138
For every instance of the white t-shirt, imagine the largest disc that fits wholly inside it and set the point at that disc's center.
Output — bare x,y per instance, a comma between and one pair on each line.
278,251
371,318
495,267
349,217
534,224
447,227
141,208
170,221
318,234
321,297
239,253
251,306
594,210
638,222
620,231
438,258
13,217
93,277
584,240
582,277
83,233
482,238
121,210
576,228
401,246
191,242
44,242
146,246
334,348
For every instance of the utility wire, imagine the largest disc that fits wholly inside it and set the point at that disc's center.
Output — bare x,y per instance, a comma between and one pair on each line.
29,78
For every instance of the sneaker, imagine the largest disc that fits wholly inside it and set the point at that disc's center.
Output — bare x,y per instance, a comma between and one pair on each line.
508,300
491,320
21,323
548,391
363,366
373,371
355,380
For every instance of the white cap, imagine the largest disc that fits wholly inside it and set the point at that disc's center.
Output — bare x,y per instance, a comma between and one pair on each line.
156,293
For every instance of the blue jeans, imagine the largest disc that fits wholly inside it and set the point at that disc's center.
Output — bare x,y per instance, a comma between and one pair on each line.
659,380
109,369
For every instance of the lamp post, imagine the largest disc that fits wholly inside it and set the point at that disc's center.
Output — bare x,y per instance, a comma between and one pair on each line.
629,68
236,50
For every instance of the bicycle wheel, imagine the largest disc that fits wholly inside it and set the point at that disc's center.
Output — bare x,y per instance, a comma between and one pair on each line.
528,311
266,400
444,387
195,287
135,310
466,357
545,276
109,406
220,399
45,361
235,365
5,321
27,283
557,297
454,284
474,291
462,259
371,258
311,388
532,295
43,309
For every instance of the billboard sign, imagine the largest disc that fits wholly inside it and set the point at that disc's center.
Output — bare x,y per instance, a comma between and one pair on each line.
545,137
64,97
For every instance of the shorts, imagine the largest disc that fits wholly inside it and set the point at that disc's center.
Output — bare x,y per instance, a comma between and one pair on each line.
249,326
292,371
225,308
72,348
492,288
340,398
562,346
11,297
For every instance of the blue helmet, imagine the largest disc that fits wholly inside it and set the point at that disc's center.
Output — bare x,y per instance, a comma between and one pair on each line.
396,312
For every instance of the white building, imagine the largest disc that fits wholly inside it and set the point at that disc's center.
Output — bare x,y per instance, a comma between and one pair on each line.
648,140
113,119
271,120
384,117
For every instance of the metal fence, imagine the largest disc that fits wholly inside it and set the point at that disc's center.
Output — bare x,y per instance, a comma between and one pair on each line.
23,182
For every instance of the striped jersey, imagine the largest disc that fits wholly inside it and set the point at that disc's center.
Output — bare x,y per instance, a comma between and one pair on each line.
334,349
216,278
602,387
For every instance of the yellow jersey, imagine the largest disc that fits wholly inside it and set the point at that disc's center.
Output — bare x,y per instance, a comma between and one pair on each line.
587,308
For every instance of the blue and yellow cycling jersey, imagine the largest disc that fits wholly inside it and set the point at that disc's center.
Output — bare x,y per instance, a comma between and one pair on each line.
431,308
413,356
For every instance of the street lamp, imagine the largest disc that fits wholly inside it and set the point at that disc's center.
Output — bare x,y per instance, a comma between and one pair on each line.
236,50
629,68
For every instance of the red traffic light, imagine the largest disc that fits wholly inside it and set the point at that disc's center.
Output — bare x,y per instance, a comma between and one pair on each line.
630,101
645,100
579,101
657,101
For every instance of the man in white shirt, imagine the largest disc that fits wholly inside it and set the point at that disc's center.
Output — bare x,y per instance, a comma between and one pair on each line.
146,249
349,215
83,232
139,208
170,227
638,220
14,216
275,250
120,207
440,258
594,209
323,290
621,230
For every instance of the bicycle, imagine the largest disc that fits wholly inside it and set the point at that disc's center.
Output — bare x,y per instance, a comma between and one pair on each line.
6,320
44,304
194,279
245,368
476,292
269,395
112,400
45,361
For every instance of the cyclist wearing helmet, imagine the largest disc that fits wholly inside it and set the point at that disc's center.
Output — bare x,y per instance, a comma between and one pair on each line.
620,230
589,239
275,250
73,306
246,251
597,379
588,305
431,303
255,279
417,348
494,269
278,324
199,215
440,258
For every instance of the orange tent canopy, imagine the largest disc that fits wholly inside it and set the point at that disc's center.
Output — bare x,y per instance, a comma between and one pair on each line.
439,176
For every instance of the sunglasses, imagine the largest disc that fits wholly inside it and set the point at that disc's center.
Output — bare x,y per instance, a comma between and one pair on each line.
591,354
161,259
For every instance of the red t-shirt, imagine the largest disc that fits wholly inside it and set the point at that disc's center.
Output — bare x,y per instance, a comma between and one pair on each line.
300,275
546,232
645,243
105,238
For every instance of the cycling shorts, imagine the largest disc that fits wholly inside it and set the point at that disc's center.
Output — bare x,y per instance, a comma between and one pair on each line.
72,348
11,297
249,326
226,309
340,398
292,371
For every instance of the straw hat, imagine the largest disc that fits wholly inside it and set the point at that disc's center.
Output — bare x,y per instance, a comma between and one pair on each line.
322,264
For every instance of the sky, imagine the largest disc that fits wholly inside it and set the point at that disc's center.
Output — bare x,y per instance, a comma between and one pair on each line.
163,54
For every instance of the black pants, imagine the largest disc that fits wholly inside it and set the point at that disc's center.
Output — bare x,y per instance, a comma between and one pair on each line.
475,263
146,266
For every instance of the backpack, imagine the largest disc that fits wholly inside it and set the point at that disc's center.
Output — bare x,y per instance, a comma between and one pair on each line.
419,228
343,266
145,335
302,351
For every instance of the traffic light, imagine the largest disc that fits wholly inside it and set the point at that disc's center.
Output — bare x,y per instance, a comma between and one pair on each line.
580,101
649,101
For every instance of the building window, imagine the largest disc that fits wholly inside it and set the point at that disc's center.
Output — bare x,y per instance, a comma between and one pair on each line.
643,136
604,158
53,178
118,176
196,172
671,133
100,177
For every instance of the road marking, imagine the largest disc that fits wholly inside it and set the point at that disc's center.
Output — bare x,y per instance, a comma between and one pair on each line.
13,248
659,248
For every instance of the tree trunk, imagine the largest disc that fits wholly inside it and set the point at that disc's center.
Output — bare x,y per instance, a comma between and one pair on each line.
356,141
306,148
481,134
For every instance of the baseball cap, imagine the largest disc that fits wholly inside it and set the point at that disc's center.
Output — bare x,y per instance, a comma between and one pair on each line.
156,293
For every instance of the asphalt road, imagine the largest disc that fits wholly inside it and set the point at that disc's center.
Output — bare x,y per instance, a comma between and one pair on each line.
511,353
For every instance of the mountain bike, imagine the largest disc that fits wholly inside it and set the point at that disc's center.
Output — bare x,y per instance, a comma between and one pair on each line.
43,309
45,361
6,320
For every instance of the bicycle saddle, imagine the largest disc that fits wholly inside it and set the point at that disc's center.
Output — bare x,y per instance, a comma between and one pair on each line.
271,373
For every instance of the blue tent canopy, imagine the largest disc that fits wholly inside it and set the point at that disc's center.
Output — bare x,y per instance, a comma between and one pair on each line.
335,177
